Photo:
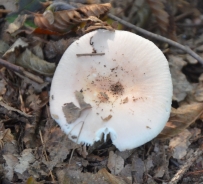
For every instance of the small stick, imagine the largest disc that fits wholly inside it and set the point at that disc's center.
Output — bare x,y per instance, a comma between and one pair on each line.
193,157
179,17
20,70
77,140
157,37
71,156
4,11
45,153
90,54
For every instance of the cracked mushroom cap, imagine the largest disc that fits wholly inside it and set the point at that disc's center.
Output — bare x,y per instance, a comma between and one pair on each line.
115,83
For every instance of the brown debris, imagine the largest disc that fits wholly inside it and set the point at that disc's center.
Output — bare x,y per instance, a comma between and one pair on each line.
27,156
5,136
64,21
71,111
103,97
164,19
125,100
117,88
107,118
181,118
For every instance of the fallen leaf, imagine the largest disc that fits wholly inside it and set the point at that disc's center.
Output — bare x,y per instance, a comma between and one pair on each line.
9,5
36,86
28,60
180,84
5,136
159,171
37,50
3,47
17,24
191,59
57,48
115,163
137,168
18,43
126,171
179,144
181,118
66,20
199,93
9,108
25,160
93,23
2,87
58,145
77,177
33,101
165,21
71,111
11,162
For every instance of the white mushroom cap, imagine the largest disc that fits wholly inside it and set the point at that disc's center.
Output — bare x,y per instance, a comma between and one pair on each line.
129,89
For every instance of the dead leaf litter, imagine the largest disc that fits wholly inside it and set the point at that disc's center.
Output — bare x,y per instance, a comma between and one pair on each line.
33,149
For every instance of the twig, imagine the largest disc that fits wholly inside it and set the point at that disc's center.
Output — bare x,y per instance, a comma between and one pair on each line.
157,37
4,11
90,54
189,25
76,142
186,166
165,160
179,17
45,153
20,70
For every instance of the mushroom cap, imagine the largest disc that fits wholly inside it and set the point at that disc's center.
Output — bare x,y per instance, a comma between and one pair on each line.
127,83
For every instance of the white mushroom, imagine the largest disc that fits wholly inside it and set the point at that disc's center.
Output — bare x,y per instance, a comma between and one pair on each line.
126,85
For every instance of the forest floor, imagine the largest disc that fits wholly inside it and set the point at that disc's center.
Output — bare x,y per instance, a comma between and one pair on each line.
34,149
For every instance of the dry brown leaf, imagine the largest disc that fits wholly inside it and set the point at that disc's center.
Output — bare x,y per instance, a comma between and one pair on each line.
9,108
58,145
64,21
33,101
181,87
181,118
77,177
164,21
179,144
199,93
11,162
25,160
57,48
115,163
71,111
2,87
5,136
93,23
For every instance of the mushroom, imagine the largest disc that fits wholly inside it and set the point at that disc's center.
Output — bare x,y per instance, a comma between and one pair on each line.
115,83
